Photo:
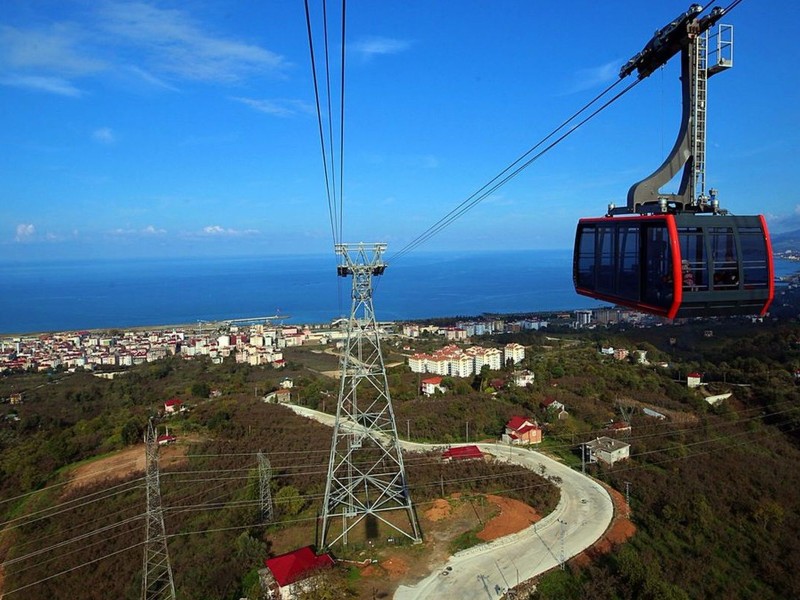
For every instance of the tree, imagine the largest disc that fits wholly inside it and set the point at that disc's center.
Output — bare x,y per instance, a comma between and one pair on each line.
289,501
131,433
201,389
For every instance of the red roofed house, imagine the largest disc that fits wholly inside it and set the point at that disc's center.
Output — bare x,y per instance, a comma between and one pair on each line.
693,380
462,453
166,438
172,406
431,385
520,430
291,569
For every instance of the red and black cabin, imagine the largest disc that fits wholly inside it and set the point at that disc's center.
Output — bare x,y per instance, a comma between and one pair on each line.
676,265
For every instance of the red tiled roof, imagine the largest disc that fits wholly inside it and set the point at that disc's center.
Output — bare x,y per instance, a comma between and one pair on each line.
292,566
432,380
463,453
526,428
173,402
516,422
695,374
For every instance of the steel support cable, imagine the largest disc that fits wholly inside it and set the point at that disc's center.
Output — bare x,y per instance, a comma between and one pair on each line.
77,538
506,490
31,541
203,491
75,568
341,125
61,555
494,184
25,520
63,483
331,208
289,522
338,233
511,166
411,459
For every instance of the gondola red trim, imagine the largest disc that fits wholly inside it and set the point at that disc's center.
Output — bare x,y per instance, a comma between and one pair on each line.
770,266
677,272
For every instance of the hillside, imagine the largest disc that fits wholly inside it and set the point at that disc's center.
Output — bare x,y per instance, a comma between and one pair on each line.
713,490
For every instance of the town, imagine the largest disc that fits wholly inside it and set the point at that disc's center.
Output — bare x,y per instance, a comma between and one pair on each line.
261,344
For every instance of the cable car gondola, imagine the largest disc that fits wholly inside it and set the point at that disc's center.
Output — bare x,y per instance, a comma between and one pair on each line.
676,265
678,255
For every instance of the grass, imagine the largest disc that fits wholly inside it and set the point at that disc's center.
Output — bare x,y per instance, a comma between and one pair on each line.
468,539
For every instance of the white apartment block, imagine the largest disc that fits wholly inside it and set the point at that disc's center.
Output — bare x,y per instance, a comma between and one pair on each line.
514,352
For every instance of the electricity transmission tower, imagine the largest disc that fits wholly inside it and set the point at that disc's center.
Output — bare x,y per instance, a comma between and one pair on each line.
264,491
366,476
157,583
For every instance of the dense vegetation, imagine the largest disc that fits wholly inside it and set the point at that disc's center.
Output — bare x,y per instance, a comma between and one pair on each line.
216,537
714,491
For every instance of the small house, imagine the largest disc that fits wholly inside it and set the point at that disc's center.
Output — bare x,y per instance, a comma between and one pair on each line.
281,396
522,431
173,406
166,438
693,380
552,404
431,385
607,450
523,378
287,572
462,453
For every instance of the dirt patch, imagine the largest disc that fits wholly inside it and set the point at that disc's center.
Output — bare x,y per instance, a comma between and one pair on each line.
395,567
514,516
619,532
440,510
121,465
444,520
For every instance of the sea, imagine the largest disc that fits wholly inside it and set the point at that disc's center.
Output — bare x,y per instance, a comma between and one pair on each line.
71,295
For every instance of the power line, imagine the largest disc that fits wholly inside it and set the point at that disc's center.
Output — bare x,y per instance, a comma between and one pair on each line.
331,200
63,483
504,176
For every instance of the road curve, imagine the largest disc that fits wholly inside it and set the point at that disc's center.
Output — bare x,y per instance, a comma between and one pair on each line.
582,515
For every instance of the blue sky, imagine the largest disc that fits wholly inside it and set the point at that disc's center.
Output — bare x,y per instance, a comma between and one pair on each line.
189,129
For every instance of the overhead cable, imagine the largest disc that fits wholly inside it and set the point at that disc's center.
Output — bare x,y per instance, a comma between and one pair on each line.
507,174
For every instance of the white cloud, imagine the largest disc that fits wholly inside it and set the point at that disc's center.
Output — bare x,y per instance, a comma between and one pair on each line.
586,79
217,230
149,78
24,232
104,135
178,46
278,108
150,230
373,46
54,50
52,85
153,44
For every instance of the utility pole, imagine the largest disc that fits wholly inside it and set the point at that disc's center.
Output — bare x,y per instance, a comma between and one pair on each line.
157,582
366,475
264,490
467,437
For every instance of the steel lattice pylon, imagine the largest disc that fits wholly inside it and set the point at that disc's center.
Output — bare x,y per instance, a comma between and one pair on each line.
157,582
264,490
366,476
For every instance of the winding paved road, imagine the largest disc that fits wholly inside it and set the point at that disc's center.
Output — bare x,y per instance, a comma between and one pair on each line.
486,571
